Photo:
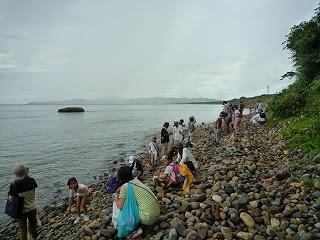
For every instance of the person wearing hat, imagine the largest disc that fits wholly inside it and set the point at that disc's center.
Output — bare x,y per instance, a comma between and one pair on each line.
136,167
24,186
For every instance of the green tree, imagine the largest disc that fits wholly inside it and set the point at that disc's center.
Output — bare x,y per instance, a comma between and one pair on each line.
303,42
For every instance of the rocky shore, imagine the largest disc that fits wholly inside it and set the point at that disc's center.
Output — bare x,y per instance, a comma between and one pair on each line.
248,187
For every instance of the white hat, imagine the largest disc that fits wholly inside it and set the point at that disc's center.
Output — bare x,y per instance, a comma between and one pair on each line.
20,171
131,159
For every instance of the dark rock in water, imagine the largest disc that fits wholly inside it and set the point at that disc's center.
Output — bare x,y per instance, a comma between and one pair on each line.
71,109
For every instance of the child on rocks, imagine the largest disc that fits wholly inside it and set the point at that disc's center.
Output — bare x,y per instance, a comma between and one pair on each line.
191,126
175,174
169,176
136,167
237,120
218,127
80,191
153,150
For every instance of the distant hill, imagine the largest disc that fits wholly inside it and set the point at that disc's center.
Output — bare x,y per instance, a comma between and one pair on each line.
153,100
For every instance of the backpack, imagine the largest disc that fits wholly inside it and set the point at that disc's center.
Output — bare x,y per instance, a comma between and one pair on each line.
176,170
113,184
223,114
263,115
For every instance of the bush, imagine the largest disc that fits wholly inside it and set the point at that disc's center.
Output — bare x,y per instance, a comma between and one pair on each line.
303,133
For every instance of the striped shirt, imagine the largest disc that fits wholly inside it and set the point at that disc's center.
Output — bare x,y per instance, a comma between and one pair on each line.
148,205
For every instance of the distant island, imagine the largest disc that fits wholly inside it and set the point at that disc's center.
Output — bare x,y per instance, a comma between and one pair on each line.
153,100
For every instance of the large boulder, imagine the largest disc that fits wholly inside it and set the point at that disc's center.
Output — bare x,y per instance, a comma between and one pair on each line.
71,109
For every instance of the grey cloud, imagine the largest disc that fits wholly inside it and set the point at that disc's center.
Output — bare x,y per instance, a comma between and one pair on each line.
145,48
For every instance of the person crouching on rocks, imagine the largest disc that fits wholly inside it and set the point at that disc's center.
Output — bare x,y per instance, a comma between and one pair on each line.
175,174
147,203
169,176
80,191
136,167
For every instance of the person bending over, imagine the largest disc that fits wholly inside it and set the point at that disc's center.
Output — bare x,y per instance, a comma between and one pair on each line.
148,205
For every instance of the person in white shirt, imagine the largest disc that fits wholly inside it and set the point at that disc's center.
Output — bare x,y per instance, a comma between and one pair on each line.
177,132
237,120
184,155
153,150
259,118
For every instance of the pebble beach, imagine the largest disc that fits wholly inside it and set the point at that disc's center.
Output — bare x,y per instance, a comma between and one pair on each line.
248,187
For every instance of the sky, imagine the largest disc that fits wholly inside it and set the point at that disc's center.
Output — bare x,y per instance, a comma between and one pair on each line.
77,49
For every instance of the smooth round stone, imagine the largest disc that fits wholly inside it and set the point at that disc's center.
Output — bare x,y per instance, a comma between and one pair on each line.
270,231
217,198
290,231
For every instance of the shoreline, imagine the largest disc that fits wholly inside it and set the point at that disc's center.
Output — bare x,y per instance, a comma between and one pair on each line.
242,190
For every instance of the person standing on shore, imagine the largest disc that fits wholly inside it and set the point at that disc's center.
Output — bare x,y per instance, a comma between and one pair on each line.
153,151
165,139
218,127
177,132
227,120
241,107
181,122
191,126
80,191
237,120
24,186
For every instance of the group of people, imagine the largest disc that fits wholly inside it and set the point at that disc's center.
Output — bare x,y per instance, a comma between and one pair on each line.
230,118
24,186
179,134
147,203
179,163
180,166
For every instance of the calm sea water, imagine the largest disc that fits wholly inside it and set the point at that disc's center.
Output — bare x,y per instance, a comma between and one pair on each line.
56,146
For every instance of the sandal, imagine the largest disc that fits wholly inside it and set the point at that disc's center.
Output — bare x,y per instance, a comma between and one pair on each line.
135,234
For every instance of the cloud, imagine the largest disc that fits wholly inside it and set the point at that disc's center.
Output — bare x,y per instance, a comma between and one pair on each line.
75,49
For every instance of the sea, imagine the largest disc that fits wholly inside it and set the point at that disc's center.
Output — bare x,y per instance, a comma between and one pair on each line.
56,146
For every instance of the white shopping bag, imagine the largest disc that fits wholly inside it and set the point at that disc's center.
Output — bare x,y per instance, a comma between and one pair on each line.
115,213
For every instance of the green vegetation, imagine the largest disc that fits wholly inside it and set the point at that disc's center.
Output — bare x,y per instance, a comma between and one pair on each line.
298,106
308,182
251,101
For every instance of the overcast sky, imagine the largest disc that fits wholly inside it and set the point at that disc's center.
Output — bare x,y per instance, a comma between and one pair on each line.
59,50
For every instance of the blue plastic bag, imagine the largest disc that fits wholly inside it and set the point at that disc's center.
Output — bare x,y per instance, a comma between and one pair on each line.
15,207
128,218
113,184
